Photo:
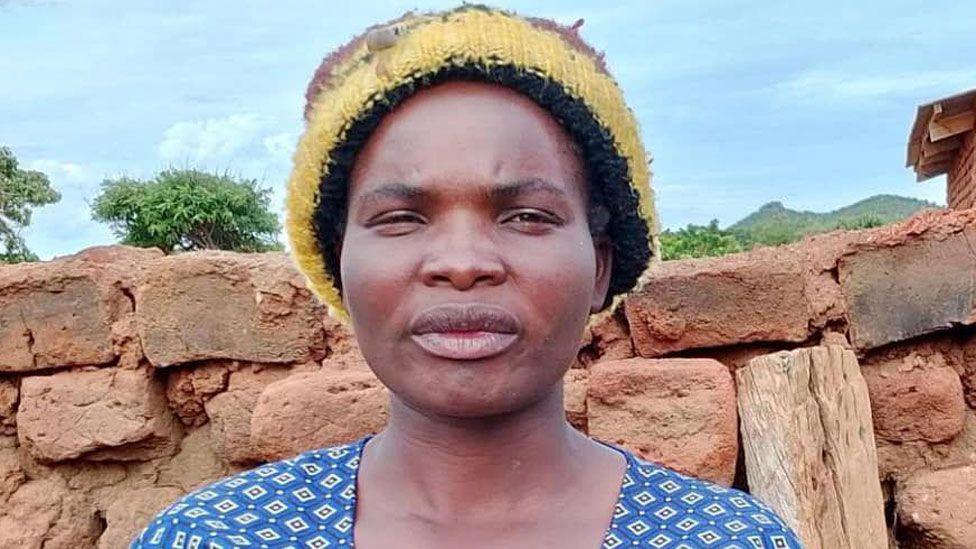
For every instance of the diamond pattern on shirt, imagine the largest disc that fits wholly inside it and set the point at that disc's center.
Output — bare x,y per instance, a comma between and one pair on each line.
309,502
660,508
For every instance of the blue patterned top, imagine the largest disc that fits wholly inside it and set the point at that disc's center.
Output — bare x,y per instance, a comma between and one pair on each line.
309,501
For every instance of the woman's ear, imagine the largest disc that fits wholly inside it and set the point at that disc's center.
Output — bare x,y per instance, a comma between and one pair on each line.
337,250
603,248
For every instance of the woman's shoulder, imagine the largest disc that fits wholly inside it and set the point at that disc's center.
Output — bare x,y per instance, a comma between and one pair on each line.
275,502
661,506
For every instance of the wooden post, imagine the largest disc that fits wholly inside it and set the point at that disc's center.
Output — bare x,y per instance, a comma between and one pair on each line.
809,445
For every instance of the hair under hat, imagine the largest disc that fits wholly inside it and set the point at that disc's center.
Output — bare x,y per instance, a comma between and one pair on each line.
368,77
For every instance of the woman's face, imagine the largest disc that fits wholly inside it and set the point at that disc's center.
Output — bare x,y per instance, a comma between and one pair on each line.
467,264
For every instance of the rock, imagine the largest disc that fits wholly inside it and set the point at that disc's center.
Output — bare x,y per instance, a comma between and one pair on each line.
735,356
937,509
353,360
72,311
692,304
31,466
45,514
209,305
607,340
126,344
12,475
112,253
230,418
835,338
100,414
230,412
196,464
678,412
894,293
344,352
188,388
899,460
93,476
319,409
9,395
103,483
967,356
127,516
55,314
915,403
574,398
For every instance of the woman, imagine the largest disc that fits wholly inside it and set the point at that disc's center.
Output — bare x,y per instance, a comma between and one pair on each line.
470,191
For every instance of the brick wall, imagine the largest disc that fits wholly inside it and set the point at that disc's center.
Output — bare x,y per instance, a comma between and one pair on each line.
962,176
128,378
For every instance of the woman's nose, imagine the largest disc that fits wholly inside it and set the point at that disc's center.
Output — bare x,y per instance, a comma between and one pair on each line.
462,254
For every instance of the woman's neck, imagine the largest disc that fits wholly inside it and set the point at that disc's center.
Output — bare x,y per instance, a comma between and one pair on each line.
450,466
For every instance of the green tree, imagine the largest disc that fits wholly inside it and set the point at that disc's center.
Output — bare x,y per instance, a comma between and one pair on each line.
773,234
863,222
698,241
20,191
184,209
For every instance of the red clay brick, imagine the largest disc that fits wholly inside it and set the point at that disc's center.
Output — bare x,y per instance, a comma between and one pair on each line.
678,412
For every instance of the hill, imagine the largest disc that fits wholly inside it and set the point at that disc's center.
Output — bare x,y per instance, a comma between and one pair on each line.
774,223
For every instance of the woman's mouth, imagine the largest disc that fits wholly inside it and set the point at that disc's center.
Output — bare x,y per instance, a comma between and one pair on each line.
465,345
469,331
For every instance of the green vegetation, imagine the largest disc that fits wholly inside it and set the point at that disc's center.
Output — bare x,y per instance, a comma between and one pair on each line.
182,210
774,224
20,191
698,241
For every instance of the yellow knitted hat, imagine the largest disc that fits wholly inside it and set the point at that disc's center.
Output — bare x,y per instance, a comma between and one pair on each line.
368,77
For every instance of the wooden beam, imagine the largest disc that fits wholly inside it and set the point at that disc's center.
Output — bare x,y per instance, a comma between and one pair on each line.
931,149
936,159
809,446
941,127
918,134
929,171
912,153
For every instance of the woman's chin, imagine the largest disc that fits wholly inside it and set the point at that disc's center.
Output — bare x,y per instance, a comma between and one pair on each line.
469,402
495,386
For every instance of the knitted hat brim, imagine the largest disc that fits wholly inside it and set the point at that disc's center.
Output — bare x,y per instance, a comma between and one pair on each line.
469,43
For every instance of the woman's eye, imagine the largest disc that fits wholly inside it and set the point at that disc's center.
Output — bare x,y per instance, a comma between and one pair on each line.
398,218
397,223
532,217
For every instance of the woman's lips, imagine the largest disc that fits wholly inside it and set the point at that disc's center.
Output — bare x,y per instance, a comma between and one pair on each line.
465,331
465,345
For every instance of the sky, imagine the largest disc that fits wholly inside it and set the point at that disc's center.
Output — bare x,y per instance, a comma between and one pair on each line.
807,102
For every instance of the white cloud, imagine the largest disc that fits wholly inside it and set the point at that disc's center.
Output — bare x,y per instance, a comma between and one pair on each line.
60,171
248,145
280,146
820,85
213,139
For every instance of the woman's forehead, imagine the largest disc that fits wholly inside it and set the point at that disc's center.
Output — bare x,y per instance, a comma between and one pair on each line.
468,132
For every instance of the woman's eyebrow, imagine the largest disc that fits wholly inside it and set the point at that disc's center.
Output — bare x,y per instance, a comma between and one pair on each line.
391,190
506,191
518,188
